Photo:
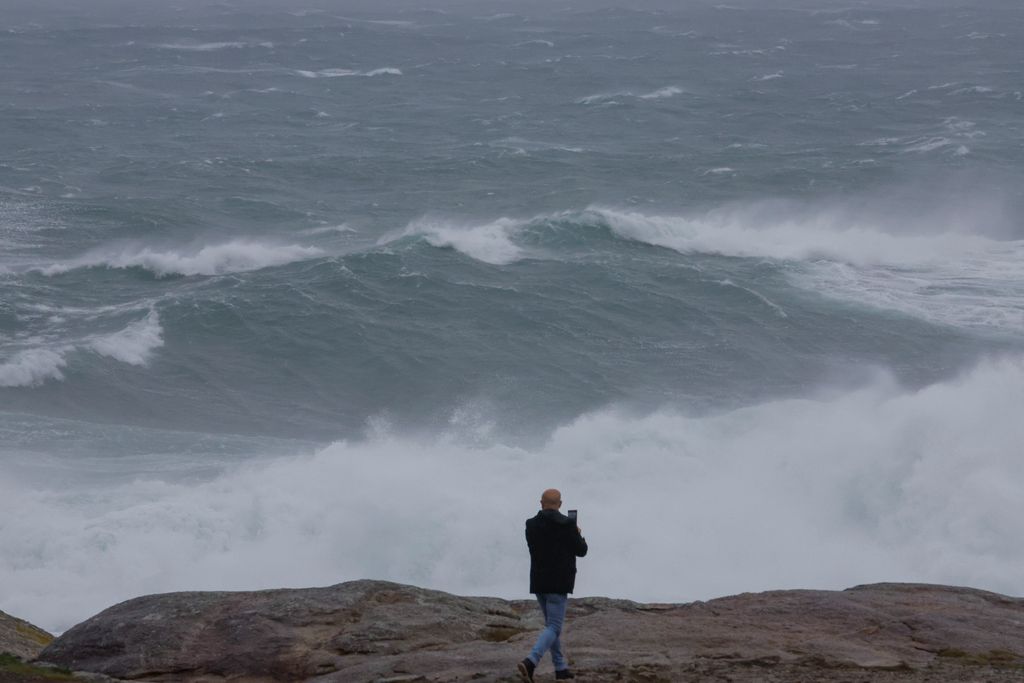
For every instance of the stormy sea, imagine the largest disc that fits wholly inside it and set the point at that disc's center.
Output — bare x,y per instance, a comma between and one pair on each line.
298,292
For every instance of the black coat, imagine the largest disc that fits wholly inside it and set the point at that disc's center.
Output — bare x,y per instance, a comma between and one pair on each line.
554,543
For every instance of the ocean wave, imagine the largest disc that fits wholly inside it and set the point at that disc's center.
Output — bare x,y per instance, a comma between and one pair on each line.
945,275
660,93
134,345
490,243
973,89
928,144
340,73
979,290
804,234
873,480
32,367
235,256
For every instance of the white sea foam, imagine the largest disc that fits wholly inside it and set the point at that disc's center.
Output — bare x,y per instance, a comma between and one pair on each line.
491,242
602,97
134,344
660,93
208,47
973,89
801,235
386,71
339,73
768,77
522,146
981,289
881,484
328,229
938,271
928,144
229,257
32,367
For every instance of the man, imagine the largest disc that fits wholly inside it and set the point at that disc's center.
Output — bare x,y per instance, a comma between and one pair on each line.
555,542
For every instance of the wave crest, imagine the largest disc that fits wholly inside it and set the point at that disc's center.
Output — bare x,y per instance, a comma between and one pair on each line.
134,344
491,243
32,367
235,256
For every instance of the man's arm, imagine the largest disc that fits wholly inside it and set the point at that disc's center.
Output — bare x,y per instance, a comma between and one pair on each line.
581,544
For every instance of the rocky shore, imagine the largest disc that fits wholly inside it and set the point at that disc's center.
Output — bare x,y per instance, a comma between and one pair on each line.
382,632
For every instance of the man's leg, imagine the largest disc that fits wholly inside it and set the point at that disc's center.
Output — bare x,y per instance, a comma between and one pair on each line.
556,612
553,607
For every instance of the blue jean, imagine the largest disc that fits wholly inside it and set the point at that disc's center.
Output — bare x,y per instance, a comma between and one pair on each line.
553,606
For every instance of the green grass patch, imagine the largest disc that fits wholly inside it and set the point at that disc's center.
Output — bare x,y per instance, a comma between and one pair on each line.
11,664
1003,658
33,633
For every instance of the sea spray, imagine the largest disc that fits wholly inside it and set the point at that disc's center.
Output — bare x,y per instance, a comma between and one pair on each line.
876,484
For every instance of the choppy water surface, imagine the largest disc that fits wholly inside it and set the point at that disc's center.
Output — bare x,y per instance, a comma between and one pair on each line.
292,294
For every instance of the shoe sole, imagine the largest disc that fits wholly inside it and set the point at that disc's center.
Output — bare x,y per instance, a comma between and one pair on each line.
523,673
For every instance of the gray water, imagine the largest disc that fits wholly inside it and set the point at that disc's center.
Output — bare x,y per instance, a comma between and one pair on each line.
232,234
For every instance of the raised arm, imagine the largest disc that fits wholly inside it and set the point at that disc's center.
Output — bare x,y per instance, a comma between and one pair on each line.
580,548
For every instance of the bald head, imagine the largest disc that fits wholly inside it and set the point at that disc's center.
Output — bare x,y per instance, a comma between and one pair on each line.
551,499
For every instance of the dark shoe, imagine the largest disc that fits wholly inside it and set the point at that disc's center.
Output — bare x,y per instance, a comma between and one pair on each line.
564,674
526,668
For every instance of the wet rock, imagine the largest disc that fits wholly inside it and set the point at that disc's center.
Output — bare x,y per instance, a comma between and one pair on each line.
379,631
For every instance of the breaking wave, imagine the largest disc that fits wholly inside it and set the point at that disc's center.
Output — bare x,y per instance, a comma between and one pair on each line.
235,256
491,243
32,367
878,484
133,345
942,272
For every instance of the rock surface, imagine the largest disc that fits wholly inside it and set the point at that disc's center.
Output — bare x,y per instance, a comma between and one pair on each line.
20,638
379,631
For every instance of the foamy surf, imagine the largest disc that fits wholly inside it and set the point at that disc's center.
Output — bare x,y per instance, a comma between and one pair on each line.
31,367
134,344
883,483
941,273
236,256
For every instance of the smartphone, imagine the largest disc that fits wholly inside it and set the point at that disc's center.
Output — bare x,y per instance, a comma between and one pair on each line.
572,515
